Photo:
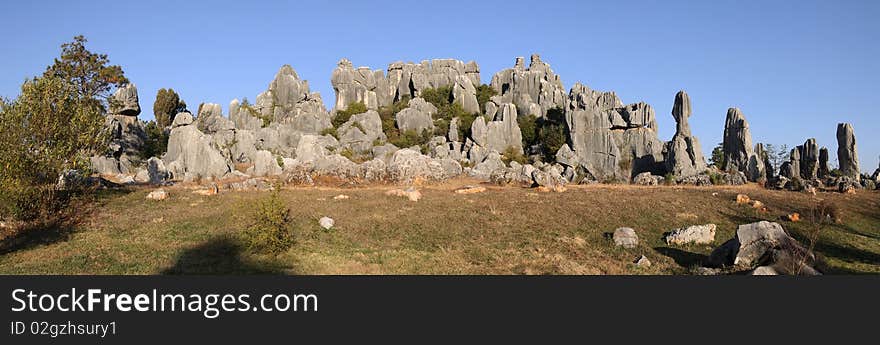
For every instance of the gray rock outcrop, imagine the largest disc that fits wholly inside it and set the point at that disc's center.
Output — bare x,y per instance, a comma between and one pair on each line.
737,147
764,244
809,159
625,237
847,155
501,133
534,90
684,156
191,156
125,101
405,80
694,234
823,171
416,117
360,131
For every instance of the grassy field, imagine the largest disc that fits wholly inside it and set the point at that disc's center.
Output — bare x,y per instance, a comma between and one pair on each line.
505,230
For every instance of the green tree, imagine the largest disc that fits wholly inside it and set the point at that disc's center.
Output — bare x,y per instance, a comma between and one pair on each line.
718,156
90,74
484,93
342,116
50,128
167,105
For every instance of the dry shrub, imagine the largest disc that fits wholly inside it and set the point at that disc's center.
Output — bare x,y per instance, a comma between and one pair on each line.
272,229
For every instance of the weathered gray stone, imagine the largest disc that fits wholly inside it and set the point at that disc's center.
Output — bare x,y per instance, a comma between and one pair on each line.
360,131
210,119
823,171
684,155
416,117
501,134
694,234
154,172
764,244
408,165
125,101
265,164
625,237
809,163
534,90
847,155
313,147
737,147
182,119
190,155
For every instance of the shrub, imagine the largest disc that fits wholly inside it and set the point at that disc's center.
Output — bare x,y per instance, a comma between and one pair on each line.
669,179
439,97
330,131
342,116
528,125
48,130
271,231
412,138
717,158
484,93
716,178
157,141
512,154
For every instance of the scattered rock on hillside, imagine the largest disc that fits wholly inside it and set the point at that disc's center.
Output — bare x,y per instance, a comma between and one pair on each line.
470,190
159,194
625,237
695,234
643,261
742,199
764,244
326,222
410,193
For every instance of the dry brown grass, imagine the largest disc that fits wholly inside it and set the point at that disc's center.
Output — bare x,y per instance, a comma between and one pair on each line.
504,230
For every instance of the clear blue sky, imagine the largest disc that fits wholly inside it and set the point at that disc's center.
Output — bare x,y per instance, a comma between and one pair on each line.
795,68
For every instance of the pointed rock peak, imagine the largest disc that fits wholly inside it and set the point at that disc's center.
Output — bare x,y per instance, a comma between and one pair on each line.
681,109
344,62
287,70
520,62
536,59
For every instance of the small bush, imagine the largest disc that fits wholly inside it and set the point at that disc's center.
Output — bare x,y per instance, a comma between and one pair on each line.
484,93
412,138
716,179
342,116
157,141
511,154
330,131
528,125
272,229
669,179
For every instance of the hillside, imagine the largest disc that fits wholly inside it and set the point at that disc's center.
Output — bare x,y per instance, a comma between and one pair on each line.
505,230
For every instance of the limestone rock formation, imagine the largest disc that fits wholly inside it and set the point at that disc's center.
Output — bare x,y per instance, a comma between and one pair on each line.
416,117
125,101
360,131
823,170
405,80
737,147
191,156
127,134
809,163
694,234
501,133
684,155
847,156
359,85
289,100
534,90
610,140
764,244
210,119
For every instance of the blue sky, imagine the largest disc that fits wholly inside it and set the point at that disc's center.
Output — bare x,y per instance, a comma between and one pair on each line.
795,68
